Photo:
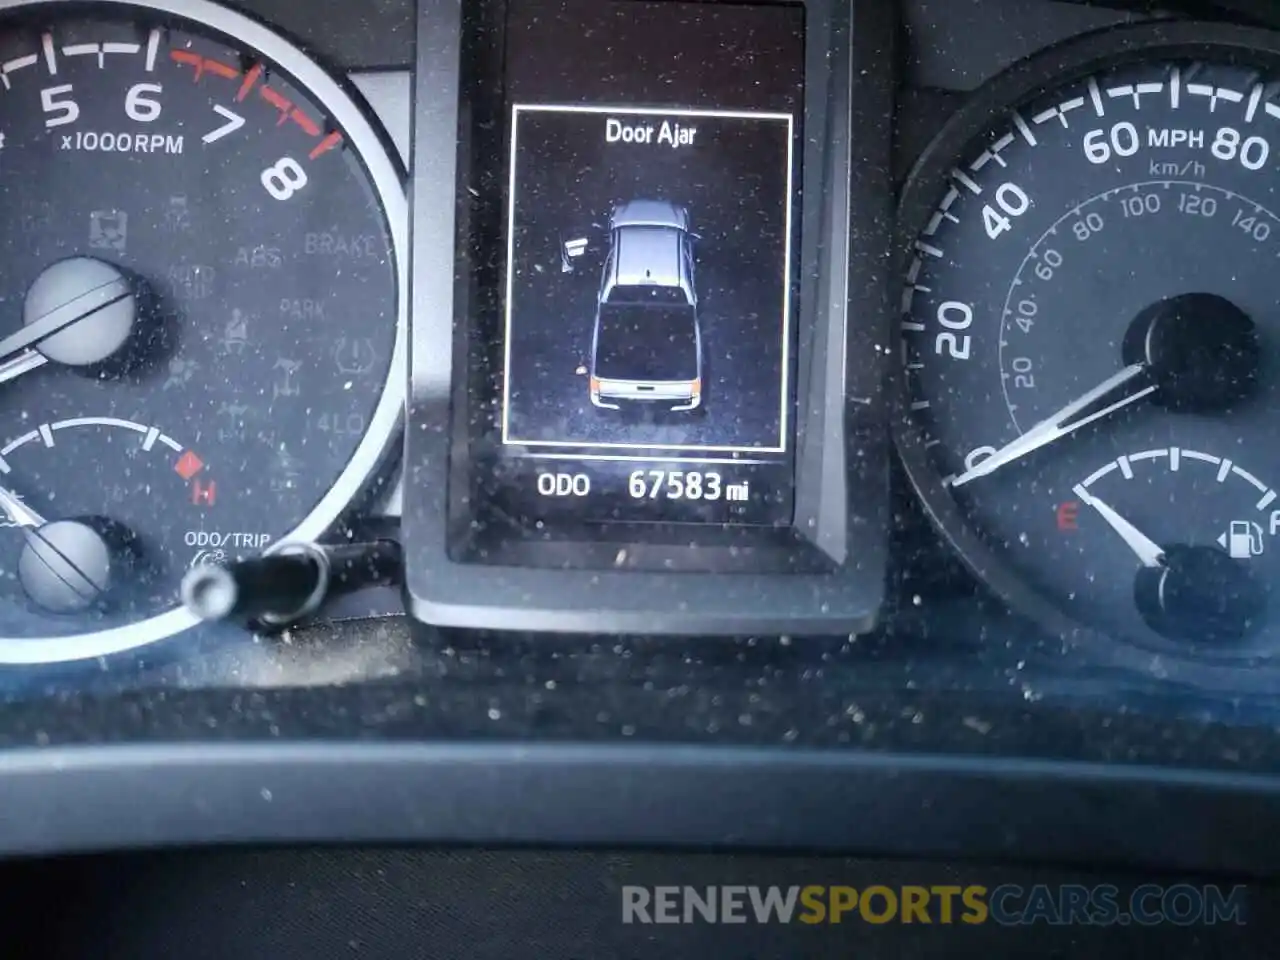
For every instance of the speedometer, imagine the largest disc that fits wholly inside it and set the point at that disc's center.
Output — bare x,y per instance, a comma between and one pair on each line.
1090,347
201,310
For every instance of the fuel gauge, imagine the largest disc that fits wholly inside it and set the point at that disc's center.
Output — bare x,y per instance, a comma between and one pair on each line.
1200,534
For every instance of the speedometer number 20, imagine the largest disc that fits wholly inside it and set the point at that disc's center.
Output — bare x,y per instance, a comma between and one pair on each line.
955,316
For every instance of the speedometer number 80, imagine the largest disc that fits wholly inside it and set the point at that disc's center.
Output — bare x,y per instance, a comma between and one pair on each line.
1251,151
284,179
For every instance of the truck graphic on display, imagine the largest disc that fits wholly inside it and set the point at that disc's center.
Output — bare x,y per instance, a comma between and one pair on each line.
646,341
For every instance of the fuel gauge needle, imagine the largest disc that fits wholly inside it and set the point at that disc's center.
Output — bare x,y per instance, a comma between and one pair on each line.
1150,553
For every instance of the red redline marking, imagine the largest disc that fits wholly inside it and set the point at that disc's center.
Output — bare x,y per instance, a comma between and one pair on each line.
188,465
194,59
221,69
325,145
277,101
287,110
250,79
305,122
202,64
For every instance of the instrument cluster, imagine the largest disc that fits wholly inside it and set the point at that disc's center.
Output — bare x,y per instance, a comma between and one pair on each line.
780,320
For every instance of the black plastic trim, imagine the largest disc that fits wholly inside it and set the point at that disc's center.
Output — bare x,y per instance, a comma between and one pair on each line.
127,797
842,480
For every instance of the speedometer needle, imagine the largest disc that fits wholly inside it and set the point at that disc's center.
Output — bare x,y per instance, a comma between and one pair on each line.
1062,423
1148,552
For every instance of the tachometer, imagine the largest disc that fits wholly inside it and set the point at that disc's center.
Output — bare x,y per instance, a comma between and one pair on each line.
201,310
1090,334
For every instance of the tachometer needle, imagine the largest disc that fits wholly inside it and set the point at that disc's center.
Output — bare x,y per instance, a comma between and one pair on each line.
100,294
1148,552
18,513
1062,423
78,312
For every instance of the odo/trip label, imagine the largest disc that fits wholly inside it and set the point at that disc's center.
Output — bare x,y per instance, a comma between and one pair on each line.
219,546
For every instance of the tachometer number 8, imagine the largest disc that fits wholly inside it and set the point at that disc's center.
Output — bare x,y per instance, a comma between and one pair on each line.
284,179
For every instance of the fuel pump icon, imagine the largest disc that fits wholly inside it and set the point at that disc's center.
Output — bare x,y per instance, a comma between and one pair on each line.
1243,540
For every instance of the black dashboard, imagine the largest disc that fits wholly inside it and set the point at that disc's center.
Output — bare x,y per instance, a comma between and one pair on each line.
824,426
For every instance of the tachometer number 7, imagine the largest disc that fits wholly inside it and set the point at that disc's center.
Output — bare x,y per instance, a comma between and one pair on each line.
234,123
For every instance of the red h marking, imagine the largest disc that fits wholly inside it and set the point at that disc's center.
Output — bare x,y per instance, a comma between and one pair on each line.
204,495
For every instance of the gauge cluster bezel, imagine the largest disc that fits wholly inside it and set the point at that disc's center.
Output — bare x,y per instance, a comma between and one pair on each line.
376,450
981,119
338,759
825,573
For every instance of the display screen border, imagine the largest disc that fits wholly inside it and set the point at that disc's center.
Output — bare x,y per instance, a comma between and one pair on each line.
790,253
501,484
507,482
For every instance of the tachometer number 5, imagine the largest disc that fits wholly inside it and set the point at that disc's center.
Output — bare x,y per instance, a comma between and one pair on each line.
284,179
